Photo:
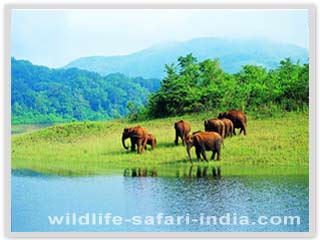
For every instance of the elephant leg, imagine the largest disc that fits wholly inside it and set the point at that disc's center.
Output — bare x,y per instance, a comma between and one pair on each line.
218,150
204,155
244,129
177,138
218,155
223,131
143,143
133,147
183,138
198,153
213,154
203,151
140,147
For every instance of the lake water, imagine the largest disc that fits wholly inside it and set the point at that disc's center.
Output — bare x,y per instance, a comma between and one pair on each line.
208,192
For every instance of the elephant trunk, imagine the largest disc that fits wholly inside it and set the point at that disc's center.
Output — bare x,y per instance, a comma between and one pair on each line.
123,142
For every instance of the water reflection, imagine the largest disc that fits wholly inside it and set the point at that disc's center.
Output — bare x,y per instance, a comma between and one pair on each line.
191,172
149,191
139,172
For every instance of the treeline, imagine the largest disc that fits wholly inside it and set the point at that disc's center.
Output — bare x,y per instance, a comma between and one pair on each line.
40,94
191,86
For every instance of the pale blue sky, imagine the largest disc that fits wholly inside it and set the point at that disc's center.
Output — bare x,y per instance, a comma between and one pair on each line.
56,37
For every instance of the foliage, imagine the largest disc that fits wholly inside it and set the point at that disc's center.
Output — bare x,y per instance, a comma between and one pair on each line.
41,95
85,148
192,86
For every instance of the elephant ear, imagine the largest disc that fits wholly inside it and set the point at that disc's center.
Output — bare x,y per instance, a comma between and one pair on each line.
130,130
189,138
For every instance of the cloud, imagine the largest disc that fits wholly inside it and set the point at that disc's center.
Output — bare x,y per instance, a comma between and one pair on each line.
55,37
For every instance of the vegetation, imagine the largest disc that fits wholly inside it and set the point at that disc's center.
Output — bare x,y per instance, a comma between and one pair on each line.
192,86
44,95
86,148
25,128
191,91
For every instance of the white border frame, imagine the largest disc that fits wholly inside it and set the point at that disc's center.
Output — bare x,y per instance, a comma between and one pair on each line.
312,119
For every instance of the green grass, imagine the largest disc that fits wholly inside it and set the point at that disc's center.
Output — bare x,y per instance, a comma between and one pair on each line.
272,145
25,128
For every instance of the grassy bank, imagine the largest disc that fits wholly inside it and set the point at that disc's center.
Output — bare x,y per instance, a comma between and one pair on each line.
95,147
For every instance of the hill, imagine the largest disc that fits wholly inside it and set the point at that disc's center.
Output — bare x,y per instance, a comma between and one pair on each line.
232,53
40,94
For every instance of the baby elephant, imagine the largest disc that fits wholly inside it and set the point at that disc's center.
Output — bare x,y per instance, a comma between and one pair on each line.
152,141
204,141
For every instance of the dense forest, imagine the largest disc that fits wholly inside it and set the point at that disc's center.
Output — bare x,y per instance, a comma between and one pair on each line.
191,86
40,94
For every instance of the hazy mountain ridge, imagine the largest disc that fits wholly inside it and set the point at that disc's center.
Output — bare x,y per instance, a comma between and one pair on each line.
232,53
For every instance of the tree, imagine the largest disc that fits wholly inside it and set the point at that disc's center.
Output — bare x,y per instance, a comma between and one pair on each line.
194,87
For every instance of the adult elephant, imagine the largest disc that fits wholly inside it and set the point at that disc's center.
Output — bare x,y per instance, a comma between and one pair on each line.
214,125
204,141
228,127
182,130
238,118
138,136
152,141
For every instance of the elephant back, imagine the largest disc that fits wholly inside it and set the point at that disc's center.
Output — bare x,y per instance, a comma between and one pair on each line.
237,117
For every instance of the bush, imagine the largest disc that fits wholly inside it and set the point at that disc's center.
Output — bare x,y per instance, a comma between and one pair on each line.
192,87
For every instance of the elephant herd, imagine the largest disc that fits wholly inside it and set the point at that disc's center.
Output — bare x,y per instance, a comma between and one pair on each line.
216,129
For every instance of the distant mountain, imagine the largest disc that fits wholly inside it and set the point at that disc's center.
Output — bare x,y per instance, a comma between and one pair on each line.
40,94
232,53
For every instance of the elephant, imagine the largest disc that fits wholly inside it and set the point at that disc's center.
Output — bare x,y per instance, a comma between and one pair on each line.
238,118
152,141
214,125
204,141
228,127
138,136
182,130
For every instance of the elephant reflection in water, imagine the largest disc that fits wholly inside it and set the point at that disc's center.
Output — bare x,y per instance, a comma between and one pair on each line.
200,172
139,172
203,172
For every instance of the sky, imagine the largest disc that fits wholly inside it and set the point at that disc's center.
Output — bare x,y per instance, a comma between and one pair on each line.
55,37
